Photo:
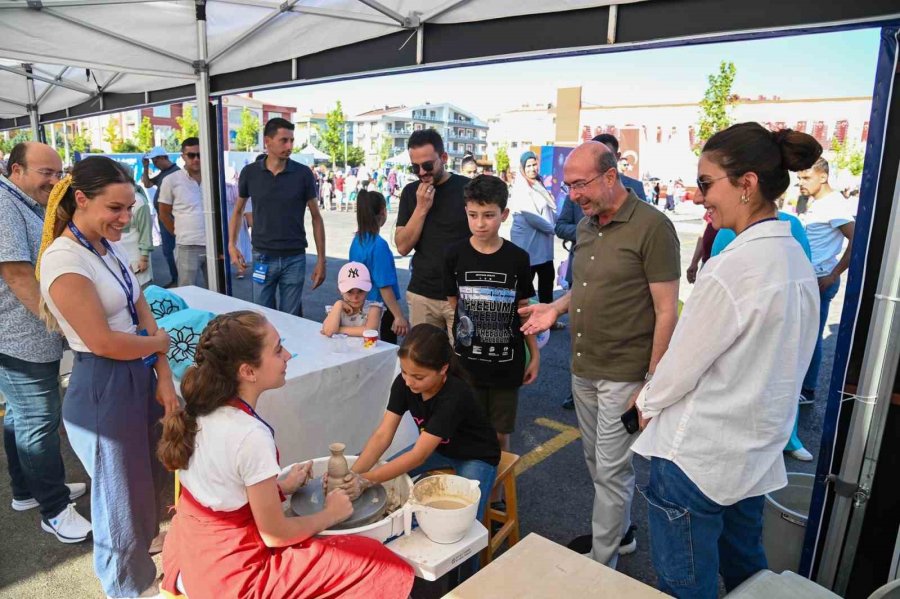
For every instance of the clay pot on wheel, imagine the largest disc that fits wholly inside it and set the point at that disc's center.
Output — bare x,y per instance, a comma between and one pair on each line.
337,466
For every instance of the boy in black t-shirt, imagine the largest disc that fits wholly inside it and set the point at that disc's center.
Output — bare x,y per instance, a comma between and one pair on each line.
487,279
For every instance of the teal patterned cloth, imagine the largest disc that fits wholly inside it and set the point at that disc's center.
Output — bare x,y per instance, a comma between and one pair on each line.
163,302
184,328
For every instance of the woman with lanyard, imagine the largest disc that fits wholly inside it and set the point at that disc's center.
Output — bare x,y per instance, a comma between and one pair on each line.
722,401
533,227
230,536
114,400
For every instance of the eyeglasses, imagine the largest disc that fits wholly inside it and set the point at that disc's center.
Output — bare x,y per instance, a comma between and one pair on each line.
47,172
192,155
425,166
579,185
704,184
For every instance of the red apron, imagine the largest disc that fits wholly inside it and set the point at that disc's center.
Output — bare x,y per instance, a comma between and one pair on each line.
221,554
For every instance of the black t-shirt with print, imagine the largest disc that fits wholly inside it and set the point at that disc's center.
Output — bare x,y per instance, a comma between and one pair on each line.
486,329
445,224
454,416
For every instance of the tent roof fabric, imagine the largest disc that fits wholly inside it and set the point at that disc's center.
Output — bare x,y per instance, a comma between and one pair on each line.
94,56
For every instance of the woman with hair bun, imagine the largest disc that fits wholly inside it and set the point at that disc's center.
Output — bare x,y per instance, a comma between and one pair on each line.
230,536
722,401
114,400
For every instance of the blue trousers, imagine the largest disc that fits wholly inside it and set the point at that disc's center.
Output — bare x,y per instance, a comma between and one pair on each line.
112,418
692,538
168,249
811,380
31,432
286,275
483,472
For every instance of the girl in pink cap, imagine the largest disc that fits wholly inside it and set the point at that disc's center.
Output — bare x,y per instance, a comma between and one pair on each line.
352,314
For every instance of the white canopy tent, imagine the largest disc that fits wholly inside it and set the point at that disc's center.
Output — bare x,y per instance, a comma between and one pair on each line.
313,153
401,159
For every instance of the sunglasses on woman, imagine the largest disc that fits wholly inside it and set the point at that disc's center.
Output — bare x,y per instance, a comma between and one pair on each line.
704,184
425,166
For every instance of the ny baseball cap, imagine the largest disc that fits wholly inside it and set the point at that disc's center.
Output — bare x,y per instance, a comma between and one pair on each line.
157,152
354,275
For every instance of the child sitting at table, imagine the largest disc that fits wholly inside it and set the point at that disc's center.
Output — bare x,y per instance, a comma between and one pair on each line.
373,250
453,429
230,536
352,314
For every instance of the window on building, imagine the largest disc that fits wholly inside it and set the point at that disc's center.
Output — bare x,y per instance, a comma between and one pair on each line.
160,135
163,112
469,147
432,114
275,115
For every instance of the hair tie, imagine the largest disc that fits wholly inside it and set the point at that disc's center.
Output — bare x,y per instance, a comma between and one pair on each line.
780,136
47,235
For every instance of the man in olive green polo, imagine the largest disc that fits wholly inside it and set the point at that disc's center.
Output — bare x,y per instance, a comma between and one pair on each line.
622,311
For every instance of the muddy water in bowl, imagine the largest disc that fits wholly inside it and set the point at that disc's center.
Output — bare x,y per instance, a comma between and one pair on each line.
445,506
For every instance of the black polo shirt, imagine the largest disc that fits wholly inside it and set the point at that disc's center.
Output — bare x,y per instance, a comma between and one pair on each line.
279,206
446,224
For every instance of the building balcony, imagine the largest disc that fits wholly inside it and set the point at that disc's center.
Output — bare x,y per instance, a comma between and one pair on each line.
428,119
466,138
466,124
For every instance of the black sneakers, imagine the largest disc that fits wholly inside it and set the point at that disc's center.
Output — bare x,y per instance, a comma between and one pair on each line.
584,543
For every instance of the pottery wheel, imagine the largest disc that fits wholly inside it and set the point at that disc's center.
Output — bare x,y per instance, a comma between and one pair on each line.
367,508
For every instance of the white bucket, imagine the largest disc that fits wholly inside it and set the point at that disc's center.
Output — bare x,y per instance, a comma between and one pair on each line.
445,506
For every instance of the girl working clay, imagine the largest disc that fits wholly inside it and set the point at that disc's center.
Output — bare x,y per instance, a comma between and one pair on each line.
352,314
453,428
230,536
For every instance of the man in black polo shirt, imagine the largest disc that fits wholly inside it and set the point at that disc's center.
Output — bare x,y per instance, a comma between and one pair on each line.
281,189
431,218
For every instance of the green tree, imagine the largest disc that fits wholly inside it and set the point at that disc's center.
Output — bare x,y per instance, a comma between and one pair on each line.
80,142
355,156
716,105
189,127
111,133
331,138
502,158
143,137
247,138
386,149
19,136
848,157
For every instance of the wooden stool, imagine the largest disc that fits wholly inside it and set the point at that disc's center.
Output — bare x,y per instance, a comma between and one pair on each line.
508,520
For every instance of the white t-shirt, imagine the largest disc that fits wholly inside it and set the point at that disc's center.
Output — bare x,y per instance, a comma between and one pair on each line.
823,219
183,193
67,256
233,450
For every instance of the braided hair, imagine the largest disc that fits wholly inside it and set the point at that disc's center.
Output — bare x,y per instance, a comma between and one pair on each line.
227,342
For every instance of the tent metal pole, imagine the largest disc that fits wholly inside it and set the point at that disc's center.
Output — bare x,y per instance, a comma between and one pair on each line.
117,36
206,157
32,105
612,24
78,3
53,86
65,84
13,102
344,15
873,396
386,11
253,29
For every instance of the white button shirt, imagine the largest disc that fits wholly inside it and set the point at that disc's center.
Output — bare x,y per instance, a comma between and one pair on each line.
724,396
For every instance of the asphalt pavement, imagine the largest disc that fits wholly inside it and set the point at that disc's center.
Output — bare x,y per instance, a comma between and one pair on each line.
555,492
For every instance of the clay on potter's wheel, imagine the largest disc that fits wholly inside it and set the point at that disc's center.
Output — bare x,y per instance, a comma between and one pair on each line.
337,465
367,508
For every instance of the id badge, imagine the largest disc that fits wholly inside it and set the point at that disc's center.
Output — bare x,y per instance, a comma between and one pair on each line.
260,270
150,360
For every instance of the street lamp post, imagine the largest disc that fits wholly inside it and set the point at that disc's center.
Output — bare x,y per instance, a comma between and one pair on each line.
345,146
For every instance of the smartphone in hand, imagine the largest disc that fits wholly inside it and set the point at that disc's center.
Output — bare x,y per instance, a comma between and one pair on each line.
630,420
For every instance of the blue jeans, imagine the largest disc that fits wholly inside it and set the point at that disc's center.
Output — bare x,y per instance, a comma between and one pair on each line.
31,432
811,380
168,249
286,274
112,418
483,472
692,538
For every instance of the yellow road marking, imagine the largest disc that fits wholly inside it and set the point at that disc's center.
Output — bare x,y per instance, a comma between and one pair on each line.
566,435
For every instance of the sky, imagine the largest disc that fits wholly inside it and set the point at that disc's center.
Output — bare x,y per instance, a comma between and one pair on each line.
797,67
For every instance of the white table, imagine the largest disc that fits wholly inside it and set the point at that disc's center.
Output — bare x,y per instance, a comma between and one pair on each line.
335,391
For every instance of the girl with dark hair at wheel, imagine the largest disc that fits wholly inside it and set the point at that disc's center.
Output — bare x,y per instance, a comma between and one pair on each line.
371,249
454,431
115,399
230,536
721,405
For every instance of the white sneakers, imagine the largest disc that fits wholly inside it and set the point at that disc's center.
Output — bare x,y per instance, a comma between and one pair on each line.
76,490
801,454
69,526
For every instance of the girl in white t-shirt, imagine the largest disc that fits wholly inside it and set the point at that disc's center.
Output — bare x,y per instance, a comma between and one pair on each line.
230,536
114,399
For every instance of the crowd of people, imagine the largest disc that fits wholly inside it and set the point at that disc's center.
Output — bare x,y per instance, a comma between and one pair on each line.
468,346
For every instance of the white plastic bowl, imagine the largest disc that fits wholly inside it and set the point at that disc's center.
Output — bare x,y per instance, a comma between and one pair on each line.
443,525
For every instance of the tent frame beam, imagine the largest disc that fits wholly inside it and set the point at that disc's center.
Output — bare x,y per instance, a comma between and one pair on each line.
390,13
66,84
44,4
52,86
253,30
347,15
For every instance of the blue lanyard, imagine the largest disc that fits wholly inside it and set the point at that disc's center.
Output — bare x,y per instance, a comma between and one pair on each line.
22,198
125,283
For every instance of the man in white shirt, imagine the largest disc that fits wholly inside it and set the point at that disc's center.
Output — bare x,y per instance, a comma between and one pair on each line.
181,213
829,222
